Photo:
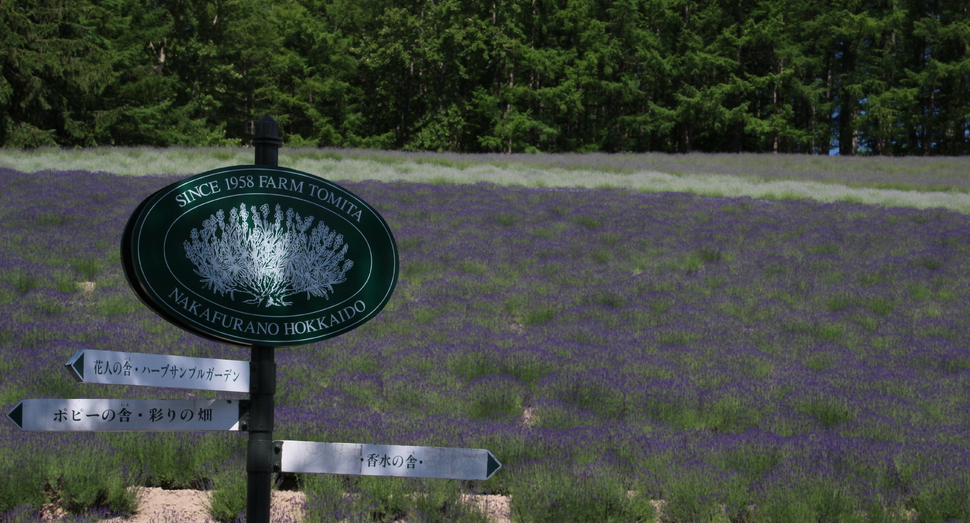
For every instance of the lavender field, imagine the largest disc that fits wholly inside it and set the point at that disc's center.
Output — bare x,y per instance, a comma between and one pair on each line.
740,360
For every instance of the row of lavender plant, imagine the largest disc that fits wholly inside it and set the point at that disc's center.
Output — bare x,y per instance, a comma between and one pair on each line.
735,358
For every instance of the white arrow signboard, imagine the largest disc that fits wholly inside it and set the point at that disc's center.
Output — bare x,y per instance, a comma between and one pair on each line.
157,370
127,415
386,460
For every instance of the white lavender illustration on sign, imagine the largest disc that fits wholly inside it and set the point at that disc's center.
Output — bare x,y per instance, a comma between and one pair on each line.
269,260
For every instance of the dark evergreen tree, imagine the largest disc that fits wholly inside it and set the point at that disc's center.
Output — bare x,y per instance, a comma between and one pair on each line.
53,68
887,77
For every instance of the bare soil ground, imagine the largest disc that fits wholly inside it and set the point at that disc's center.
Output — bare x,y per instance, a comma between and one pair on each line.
191,506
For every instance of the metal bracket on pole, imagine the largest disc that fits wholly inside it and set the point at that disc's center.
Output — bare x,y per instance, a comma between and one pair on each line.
244,415
262,377
277,456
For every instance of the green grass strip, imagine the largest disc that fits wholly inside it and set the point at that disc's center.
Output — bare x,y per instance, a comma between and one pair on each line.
904,183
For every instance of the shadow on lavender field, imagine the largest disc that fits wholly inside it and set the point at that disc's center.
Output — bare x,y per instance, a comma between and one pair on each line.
741,360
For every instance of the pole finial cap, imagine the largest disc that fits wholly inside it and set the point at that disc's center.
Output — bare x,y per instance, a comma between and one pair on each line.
267,131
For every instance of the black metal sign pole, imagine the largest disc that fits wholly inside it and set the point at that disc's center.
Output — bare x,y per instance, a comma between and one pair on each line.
259,457
262,385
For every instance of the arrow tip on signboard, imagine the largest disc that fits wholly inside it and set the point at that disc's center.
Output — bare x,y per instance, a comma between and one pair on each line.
75,366
17,415
491,465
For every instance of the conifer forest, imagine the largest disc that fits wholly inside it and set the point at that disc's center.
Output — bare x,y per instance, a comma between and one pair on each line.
878,77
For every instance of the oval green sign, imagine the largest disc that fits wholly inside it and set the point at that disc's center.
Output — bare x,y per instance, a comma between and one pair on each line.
256,255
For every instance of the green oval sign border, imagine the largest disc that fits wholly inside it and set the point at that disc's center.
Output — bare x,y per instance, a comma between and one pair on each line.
260,255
